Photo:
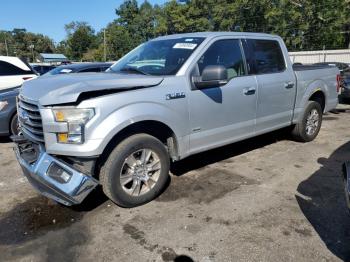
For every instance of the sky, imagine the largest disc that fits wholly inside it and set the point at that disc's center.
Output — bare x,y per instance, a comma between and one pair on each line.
48,17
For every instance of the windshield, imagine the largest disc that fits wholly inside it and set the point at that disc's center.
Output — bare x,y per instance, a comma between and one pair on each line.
158,57
59,70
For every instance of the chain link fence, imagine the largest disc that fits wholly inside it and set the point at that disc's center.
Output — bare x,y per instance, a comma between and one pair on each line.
310,57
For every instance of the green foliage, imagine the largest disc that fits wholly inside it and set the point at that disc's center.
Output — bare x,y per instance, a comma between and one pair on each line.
80,37
310,24
119,41
94,54
303,24
21,43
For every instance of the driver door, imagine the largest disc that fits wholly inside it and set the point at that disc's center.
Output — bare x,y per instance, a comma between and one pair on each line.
222,115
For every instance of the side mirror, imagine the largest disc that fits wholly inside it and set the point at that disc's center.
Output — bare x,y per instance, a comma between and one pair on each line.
212,76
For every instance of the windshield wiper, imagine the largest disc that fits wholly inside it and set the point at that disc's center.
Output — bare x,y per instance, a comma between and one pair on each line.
132,70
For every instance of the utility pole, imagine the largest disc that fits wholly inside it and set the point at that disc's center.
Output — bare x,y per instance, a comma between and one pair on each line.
7,49
32,47
104,45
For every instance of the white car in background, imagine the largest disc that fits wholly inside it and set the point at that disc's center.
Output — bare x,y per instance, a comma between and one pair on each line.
13,72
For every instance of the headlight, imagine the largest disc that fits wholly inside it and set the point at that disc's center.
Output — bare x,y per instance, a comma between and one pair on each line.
76,115
3,104
76,118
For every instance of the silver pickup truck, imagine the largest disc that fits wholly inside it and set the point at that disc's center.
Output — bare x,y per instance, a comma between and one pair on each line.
169,98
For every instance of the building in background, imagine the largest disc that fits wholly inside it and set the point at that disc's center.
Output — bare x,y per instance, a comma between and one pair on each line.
53,58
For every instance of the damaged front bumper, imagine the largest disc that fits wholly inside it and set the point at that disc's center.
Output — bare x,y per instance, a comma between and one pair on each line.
346,176
50,176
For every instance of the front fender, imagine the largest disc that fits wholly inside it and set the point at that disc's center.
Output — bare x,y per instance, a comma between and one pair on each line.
133,113
115,112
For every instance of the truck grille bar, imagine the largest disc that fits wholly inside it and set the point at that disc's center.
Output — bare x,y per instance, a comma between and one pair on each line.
30,120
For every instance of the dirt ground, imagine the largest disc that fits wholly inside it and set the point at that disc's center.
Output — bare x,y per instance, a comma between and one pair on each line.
264,199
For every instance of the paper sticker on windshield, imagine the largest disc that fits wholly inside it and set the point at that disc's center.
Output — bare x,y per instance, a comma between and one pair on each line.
66,70
185,46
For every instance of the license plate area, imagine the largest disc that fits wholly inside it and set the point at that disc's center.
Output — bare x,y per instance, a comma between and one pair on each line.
29,151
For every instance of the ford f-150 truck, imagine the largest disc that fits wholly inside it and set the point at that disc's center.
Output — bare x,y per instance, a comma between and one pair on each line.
169,98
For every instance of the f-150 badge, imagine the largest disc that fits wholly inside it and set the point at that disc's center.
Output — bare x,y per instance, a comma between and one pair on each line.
175,96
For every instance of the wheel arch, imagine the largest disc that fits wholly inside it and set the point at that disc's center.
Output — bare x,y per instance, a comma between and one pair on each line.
320,97
12,115
314,91
317,91
154,128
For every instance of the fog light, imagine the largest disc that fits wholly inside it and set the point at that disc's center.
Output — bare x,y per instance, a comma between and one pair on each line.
58,173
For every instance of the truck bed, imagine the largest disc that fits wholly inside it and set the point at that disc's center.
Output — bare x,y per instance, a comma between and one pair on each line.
310,67
316,77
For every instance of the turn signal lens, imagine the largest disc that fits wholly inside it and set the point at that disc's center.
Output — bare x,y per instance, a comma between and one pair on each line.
59,116
62,137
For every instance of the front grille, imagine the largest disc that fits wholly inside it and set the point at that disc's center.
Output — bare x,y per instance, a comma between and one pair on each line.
30,120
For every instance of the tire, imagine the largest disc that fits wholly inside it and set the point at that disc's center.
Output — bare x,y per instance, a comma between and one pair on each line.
125,163
14,125
302,131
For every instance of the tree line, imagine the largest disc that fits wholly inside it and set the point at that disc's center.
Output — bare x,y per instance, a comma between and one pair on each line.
303,24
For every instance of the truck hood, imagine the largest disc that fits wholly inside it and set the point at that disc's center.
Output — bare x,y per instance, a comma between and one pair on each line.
62,89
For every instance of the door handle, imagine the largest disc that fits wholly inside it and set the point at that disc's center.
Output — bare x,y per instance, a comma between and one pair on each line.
249,91
288,85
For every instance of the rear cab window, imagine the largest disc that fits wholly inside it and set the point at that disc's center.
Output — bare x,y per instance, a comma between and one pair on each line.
263,56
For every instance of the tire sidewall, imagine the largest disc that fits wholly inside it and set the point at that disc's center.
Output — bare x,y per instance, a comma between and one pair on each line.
116,189
311,105
14,125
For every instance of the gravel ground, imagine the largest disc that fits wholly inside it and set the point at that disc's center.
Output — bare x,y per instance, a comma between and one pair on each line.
264,199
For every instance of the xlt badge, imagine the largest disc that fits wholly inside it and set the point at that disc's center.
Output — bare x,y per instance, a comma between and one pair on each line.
175,95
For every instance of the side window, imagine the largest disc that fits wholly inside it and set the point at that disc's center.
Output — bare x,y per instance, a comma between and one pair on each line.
248,47
227,53
7,69
267,55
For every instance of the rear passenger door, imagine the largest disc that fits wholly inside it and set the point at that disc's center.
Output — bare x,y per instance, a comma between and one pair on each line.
276,83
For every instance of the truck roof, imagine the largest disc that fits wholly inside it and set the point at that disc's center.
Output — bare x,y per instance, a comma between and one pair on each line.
216,34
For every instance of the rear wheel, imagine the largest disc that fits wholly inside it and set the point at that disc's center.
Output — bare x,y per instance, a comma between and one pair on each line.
136,171
308,128
14,127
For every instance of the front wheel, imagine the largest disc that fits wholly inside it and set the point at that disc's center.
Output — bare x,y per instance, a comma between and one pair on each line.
14,126
136,171
309,126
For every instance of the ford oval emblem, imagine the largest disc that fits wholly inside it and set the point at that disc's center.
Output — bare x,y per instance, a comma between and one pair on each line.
23,115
